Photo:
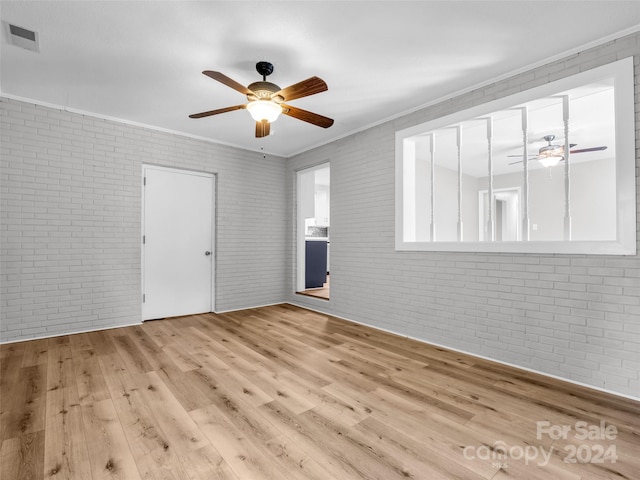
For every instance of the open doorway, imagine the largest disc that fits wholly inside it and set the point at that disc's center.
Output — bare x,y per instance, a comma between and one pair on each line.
505,214
313,239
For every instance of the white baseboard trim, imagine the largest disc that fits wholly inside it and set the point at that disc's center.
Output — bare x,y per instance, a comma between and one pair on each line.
44,337
519,367
75,332
249,308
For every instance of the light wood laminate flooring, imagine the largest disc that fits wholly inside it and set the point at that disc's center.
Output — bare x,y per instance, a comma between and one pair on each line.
321,292
285,393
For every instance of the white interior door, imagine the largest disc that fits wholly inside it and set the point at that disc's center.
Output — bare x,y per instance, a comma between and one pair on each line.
177,248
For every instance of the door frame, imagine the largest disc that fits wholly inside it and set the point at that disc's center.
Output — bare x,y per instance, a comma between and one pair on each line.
482,206
299,222
214,240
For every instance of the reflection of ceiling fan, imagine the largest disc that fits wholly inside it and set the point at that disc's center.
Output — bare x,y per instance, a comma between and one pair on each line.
266,99
551,155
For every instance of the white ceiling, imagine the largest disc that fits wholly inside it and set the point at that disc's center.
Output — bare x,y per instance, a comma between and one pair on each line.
142,61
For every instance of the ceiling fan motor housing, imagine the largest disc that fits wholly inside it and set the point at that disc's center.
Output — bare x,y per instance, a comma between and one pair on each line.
551,150
264,90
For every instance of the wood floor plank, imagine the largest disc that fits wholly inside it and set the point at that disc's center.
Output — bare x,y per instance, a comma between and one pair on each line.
159,333
182,388
135,361
240,411
65,450
10,388
233,383
80,341
102,342
385,359
21,457
109,452
60,371
621,412
183,360
13,349
172,376
138,422
443,436
335,455
25,406
288,453
89,376
178,427
355,452
207,464
277,383
223,368
266,352
281,392
153,353
244,457
415,458
112,363
35,353
154,455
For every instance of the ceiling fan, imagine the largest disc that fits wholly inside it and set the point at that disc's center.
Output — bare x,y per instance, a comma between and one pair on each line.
266,99
550,155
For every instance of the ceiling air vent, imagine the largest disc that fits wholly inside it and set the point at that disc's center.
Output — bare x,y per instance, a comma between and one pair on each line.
23,38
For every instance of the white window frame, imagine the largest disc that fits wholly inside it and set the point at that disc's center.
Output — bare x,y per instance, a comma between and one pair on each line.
624,244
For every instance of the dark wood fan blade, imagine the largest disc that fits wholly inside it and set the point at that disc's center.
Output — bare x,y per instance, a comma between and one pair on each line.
262,129
306,116
592,149
307,87
571,145
216,112
222,78
535,158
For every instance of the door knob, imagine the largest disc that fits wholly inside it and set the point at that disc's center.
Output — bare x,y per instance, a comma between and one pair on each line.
207,253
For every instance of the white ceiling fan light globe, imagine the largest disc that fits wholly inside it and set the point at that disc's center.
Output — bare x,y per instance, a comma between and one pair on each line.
264,110
550,161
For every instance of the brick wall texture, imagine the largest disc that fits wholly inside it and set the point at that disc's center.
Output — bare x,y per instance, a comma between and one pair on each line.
572,316
71,227
71,220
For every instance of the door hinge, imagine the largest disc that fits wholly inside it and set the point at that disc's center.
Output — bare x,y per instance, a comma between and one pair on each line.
144,181
144,239
144,298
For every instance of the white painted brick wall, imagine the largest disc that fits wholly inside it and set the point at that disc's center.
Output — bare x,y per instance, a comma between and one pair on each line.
71,220
572,316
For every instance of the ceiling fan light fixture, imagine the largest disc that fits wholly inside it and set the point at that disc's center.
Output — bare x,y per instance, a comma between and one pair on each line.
265,99
264,110
550,160
550,155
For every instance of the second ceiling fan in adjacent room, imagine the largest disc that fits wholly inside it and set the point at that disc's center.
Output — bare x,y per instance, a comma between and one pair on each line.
550,155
